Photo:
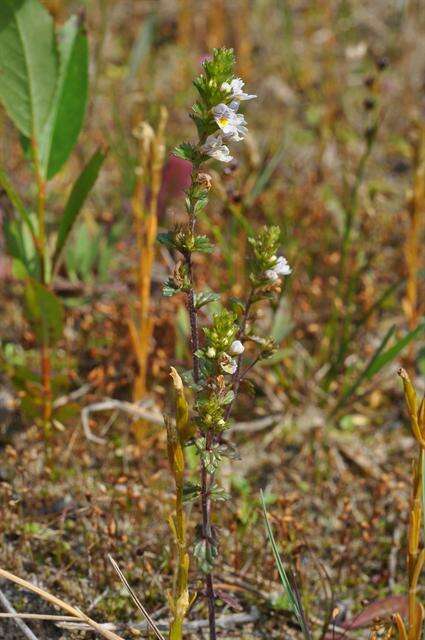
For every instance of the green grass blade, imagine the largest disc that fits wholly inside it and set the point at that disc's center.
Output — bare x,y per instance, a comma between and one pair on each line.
267,172
364,374
77,197
380,358
291,593
392,352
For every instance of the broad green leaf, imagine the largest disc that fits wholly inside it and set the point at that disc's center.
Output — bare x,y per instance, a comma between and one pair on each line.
68,108
28,64
20,245
16,201
79,193
45,312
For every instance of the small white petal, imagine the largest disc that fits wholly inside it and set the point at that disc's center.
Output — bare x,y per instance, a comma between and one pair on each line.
282,267
215,148
271,275
237,348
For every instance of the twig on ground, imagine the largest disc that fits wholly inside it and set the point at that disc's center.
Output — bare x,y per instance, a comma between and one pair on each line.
154,416
135,410
222,622
109,635
19,623
152,625
74,395
38,616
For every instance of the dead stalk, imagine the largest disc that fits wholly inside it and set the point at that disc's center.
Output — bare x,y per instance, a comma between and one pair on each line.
413,240
145,212
416,550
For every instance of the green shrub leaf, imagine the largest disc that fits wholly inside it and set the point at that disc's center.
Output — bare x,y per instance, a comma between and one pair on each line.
45,312
68,108
77,197
28,64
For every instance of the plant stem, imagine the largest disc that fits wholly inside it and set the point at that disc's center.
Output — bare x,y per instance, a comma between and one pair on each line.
206,478
46,367
237,376
46,380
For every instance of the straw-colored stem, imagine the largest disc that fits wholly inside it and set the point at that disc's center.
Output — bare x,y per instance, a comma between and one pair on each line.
416,550
152,153
413,241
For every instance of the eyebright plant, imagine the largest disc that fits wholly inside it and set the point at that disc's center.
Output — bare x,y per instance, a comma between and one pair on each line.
43,88
228,346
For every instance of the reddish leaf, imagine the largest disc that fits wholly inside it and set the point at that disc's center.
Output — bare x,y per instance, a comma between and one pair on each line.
383,608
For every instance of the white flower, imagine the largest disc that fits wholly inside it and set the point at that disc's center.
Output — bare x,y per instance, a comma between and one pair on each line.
230,367
356,51
215,148
281,268
235,89
271,275
236,348
228,364
231,123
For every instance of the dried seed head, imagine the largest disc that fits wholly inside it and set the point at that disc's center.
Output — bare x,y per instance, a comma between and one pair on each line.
143,131
205,180
409,392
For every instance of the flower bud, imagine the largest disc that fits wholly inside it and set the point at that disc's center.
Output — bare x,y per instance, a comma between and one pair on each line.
237,348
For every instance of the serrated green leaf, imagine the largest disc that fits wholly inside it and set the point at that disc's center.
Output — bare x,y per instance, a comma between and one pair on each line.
166,239
191,491
169,289
69,104
205,297
28,64
45,312
202,245
186,151
218,494
77,197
